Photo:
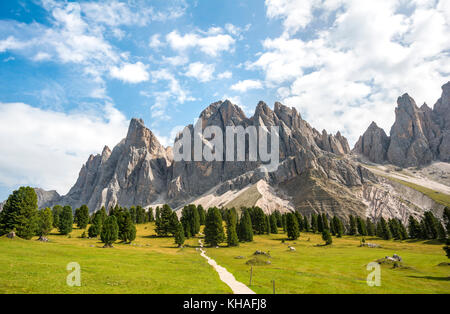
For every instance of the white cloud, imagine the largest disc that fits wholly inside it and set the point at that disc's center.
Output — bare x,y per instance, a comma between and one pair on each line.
131,73
155,41
354,68
201,71
243,86
46,148
225,75
211,45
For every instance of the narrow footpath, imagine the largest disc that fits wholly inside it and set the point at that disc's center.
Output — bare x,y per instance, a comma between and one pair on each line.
227,277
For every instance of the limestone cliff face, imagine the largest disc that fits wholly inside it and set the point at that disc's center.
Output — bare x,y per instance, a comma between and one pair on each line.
418,136
134,172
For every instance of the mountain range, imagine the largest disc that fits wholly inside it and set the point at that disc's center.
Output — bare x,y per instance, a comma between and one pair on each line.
318,173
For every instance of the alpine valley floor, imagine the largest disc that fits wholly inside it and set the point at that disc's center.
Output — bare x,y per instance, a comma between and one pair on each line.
156,265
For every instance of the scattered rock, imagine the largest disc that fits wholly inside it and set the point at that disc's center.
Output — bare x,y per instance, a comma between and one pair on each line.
370,245
259,261
397,258
291,248
261,253
239,257
43,239
11,235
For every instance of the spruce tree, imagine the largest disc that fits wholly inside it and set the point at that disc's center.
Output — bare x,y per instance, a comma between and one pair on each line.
45,223
283,222
65,221
56,211
96,227
214,234
370,227
110,231
386,233
151,218
431,225
292,227
127,229
447,219
83,217
447,248
353,229
273,224
179,235
339,227
306,226
414,228
314,223
319,223
133,215
20,213
326,236
165,225
325,223
186,221
201,214
299,220
361,226
232,237
259,221
268,229
195,219
278,218
332,227
245,229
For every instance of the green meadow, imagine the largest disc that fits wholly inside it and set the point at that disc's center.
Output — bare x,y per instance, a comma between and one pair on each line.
156,265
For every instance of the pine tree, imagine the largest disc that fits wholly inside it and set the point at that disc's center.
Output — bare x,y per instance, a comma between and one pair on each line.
292,227
214,233
245,229
325,223
110,231
201,214
339,227
414,228
151,218
195,220
314,223
96,227
299,220
370,227
65,221
127,229
56,211
45,224
273,224
319,223
361,225
447,219
179,235
232,237
431,225
268,229
259,221
83,217
332,227
133,215
385,230
306,226
20,213
326,236
164,225
283,222
353,229
186,221
279,219
140,215
447,248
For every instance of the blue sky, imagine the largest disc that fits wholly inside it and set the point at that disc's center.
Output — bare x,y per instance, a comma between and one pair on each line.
74,72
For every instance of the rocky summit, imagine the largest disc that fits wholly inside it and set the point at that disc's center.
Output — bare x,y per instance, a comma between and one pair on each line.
418,136
316,172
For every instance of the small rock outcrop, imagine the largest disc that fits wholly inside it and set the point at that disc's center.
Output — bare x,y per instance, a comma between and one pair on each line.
373,144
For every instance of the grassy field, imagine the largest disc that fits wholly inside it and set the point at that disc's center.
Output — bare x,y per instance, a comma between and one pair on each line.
155,265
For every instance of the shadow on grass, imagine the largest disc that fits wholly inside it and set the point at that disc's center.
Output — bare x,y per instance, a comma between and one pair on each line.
431,278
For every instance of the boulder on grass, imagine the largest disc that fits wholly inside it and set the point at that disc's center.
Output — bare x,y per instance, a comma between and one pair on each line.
11,235
43,239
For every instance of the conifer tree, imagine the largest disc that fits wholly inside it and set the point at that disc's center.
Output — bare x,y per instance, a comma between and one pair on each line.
83,217
431,225
332,227
299,220
201,214
179,235
319,223
45,223
96,227
279,219
306,226
283,222
56,211
214,233
414,228
245,229
165,223
370,227
361,226
273,224
133,215
325,223
292,227
447,219
386,233
232,237
339,227
353,229
65,221
20,213
127,229
110,231
151,218
447,248
314,223
326,236
267,218
258,221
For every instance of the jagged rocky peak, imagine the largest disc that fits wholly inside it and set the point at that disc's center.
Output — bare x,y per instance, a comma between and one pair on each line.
442,108
222,113
373,144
